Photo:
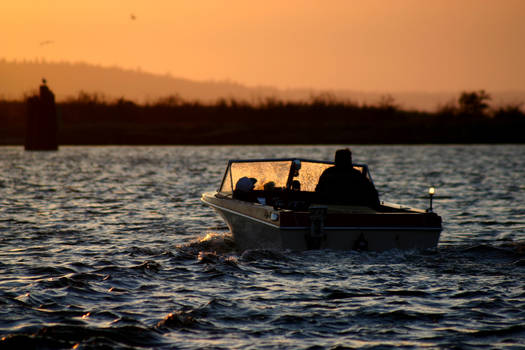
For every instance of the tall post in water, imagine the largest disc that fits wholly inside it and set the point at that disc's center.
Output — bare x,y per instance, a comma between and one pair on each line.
41,122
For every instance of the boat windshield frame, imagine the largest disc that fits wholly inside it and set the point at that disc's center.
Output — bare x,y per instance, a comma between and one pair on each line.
293,163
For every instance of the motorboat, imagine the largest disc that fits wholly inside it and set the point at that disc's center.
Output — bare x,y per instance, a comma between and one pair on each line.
276,204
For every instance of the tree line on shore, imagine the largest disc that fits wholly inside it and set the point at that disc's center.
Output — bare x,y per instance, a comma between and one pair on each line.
90,119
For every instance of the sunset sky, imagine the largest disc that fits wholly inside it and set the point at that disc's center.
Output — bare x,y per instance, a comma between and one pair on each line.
372,45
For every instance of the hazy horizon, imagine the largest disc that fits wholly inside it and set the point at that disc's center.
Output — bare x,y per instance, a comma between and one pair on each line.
23,77
383,46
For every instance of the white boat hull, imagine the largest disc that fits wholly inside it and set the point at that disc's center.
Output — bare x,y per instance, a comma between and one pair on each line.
256,226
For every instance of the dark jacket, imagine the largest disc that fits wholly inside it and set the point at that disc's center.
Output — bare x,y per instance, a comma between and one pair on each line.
346,186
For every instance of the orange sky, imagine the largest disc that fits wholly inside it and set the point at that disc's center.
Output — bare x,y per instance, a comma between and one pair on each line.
372,45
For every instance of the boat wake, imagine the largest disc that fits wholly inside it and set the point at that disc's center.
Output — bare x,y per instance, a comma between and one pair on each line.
217,243
219,247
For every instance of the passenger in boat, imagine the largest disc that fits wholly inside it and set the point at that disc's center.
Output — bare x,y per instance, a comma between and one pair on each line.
269,186
244,189
296,186
344,184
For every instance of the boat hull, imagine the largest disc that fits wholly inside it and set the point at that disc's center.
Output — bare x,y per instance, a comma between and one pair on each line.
256,226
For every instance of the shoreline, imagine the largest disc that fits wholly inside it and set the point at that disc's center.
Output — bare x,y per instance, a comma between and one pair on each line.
318,122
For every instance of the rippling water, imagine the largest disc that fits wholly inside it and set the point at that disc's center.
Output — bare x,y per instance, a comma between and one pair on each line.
111,247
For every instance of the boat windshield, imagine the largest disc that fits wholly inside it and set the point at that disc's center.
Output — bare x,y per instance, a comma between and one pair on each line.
263,171
278,174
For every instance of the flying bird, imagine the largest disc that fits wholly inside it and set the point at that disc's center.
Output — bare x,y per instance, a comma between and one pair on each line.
133,17
46,42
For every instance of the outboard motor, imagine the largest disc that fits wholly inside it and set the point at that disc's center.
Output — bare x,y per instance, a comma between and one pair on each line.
316,235
361,243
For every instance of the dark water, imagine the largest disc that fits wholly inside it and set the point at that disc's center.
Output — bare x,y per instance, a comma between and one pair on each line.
110,247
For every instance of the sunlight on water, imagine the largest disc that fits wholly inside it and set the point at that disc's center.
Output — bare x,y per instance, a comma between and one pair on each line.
209,237
110,247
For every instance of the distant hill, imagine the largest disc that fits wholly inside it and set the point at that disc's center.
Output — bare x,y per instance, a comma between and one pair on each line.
20,78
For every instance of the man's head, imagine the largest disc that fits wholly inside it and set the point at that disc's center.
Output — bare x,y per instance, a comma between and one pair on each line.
245,184
343,158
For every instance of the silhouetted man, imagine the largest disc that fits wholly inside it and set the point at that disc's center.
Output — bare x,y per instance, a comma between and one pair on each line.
344,184
244,189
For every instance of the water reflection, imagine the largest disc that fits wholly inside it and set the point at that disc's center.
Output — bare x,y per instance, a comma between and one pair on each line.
110,247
